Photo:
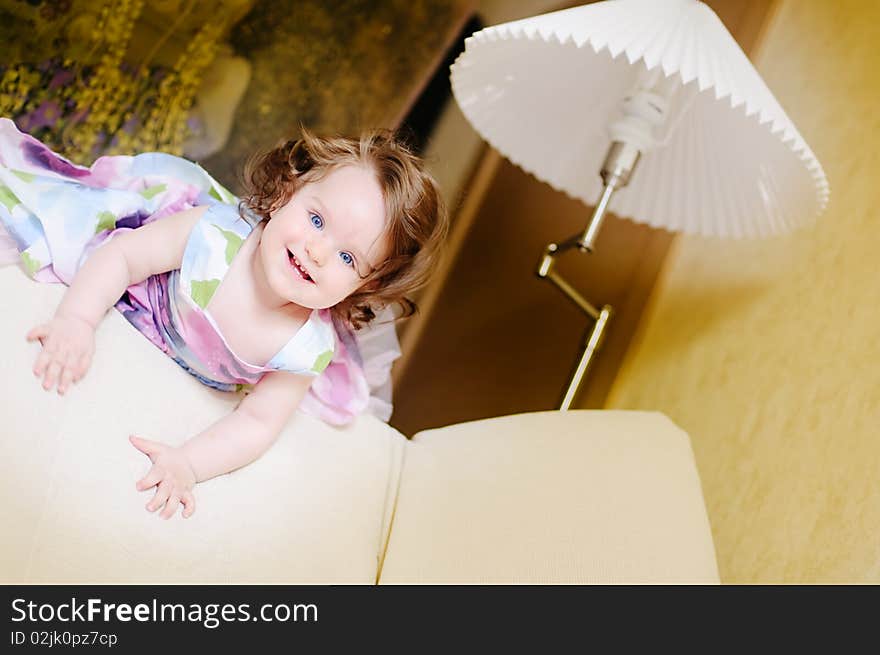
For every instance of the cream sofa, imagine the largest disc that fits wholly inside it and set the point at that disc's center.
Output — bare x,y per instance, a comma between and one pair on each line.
547,497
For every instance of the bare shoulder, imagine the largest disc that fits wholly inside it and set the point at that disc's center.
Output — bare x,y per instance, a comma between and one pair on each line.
158,246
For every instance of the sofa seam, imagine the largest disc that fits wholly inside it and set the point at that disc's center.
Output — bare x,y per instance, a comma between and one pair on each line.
383,547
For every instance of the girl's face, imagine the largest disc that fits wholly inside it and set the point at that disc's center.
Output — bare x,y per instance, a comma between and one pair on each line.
316,249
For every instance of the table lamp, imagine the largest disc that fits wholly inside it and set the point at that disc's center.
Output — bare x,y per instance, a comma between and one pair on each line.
656,84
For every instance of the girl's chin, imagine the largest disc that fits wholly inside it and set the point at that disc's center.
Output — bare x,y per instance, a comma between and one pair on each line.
312,303
305,300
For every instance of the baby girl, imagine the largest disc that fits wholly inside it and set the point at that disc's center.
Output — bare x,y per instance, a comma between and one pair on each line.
243,295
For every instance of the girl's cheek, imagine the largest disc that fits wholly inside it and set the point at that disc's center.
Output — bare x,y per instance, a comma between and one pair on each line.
295,227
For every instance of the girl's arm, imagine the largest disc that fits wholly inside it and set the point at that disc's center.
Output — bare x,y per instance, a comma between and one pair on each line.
127,258
232,442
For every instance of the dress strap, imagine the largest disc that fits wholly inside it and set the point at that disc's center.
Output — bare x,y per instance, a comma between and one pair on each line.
311,349
212,245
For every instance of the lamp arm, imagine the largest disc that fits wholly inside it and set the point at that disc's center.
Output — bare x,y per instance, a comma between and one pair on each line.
594,336
616,169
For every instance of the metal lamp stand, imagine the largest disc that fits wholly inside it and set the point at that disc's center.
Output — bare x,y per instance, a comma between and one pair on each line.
616,170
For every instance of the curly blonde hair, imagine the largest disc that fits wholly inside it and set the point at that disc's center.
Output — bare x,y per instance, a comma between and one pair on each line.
416,218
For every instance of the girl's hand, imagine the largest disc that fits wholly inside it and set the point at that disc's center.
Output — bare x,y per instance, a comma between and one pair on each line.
171,473
68,345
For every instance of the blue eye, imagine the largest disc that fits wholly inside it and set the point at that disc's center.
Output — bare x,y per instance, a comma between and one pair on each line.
316,220
347,259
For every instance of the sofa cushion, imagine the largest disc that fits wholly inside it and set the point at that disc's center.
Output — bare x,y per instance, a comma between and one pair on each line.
551,497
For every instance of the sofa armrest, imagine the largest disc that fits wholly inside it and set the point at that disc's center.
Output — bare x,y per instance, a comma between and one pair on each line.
551,497
310,510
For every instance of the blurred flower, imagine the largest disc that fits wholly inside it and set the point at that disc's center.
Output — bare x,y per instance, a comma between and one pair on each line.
43,116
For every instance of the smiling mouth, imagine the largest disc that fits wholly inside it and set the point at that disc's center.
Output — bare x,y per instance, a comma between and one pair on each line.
299,268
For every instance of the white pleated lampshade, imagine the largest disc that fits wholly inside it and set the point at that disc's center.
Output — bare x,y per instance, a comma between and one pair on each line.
544,90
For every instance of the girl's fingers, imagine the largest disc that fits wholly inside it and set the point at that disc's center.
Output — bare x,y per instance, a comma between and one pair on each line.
66,376
38,332
151,479
65,382
189,504
170,507
52,373
146,446
43,360
163,491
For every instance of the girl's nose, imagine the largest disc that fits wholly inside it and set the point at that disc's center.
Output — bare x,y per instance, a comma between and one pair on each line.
316,251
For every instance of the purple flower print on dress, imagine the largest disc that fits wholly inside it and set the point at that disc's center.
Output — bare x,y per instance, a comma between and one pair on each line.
142,305
133,220
40,155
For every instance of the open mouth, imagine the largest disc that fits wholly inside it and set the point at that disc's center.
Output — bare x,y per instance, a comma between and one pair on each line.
299,268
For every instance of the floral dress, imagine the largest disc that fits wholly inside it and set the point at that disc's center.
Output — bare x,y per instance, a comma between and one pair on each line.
57,213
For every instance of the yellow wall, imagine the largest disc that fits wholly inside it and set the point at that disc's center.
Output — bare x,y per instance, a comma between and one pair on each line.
768,353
